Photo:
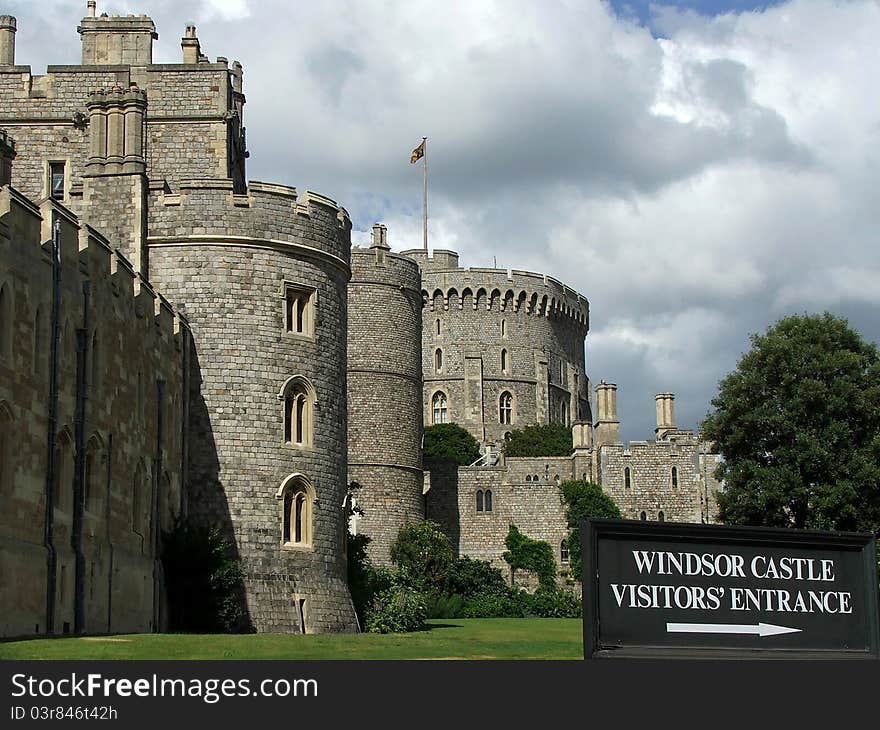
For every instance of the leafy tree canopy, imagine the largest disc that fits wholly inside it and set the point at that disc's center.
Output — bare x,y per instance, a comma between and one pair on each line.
424,554
553,439
798,425
583,500
451,442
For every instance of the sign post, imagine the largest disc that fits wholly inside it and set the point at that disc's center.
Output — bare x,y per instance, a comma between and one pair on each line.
660,589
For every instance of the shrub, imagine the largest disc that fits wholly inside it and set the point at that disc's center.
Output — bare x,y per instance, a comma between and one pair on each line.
555,603
204,579
444,605
509,604
534,555
423,553
450,442
553,439
396,610
467,577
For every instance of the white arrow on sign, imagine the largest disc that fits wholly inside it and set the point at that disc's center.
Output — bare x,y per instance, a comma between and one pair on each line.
756,629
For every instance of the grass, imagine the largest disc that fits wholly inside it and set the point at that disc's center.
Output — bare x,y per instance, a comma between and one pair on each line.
499,638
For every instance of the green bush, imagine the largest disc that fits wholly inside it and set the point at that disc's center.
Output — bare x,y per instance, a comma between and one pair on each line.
444,605
534,555
468,577
396,610
450,442
424,555
555,603
203,578
509,604
553,439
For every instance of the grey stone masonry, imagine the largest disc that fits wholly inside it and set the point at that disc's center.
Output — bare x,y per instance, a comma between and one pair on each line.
385,394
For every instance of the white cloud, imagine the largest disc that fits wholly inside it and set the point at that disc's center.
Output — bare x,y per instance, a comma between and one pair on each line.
695,187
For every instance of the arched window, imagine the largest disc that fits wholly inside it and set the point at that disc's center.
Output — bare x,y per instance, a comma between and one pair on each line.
674,477
5,322
627,478
297,498
661,517
438,360
437,326
91,476
488,498
563,552
63,487
563,412
505,364
298,399
7,468
479,500
505,408
644,517
528,477
438,406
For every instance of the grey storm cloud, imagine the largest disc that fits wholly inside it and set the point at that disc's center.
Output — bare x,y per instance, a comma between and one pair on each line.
696,180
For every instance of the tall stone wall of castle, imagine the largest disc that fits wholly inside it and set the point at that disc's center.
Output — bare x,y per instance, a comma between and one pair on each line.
384,393
262,280
86,490
492,334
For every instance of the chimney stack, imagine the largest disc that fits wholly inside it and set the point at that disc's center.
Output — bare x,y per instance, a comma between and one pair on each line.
90,8
665,403
190,45
607,423
7,40
380,236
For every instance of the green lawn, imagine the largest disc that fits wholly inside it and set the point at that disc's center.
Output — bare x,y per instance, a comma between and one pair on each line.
489,638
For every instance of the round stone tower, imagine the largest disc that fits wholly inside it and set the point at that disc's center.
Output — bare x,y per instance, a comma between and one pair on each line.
384,392
502,349
262,278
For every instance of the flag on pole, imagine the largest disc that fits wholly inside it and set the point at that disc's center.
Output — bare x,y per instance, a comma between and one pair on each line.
418,153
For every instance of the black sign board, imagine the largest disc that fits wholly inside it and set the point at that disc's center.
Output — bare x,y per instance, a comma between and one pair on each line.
667,589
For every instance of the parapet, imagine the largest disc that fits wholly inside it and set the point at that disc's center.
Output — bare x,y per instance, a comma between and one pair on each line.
438,260
86,251
117,39
268,215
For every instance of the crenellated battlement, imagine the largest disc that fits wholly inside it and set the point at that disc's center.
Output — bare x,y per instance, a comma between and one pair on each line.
209,211
27,227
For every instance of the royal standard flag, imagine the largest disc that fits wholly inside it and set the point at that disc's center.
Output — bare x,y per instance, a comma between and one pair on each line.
418,153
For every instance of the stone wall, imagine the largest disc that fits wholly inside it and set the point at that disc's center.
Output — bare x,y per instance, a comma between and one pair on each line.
120,468
501,332
384,395
228,260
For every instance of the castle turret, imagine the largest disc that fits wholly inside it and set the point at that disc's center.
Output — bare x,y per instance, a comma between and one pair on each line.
607,423
665,403
117,39
7,40
384,392
7,155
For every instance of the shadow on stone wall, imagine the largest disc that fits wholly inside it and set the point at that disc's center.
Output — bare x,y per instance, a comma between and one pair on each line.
207,502
441,504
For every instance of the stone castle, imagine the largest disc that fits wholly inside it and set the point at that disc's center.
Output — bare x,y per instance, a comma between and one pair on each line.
176,339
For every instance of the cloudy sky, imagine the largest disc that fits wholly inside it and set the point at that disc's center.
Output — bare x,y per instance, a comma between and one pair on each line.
696,169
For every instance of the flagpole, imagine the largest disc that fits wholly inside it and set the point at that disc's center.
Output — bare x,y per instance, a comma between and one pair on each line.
425,188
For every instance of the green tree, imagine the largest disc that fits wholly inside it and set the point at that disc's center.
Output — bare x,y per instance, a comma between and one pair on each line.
451,442
798,426
424,554
552,439
583,500
527,554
